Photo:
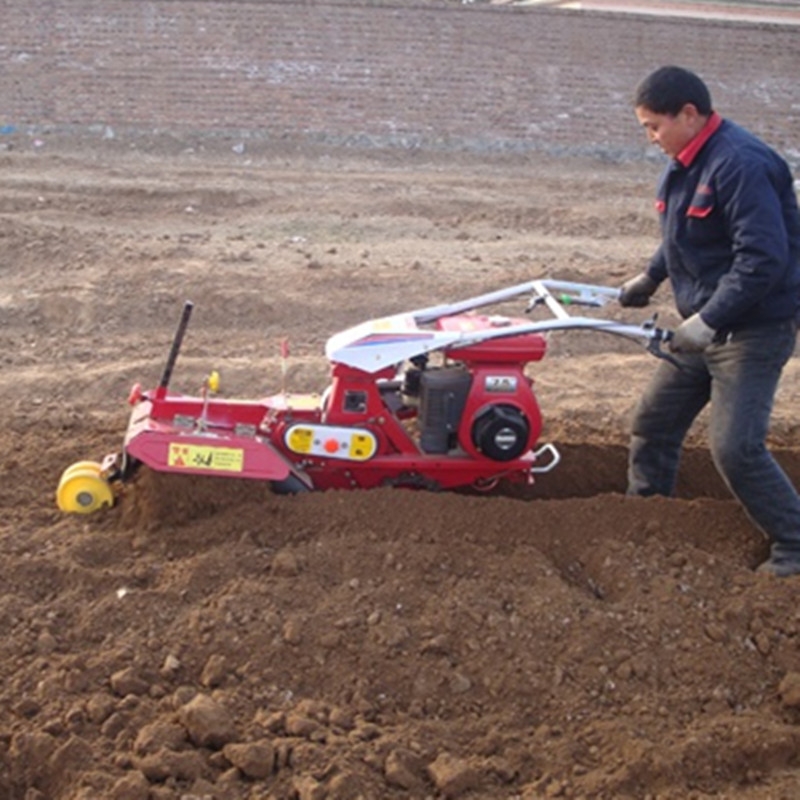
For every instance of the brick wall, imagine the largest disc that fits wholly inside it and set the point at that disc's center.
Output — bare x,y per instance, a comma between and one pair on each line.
437,76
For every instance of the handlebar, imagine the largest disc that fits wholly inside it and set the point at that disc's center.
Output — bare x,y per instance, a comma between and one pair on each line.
557,294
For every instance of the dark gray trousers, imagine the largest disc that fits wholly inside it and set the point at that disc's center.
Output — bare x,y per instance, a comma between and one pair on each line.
739,376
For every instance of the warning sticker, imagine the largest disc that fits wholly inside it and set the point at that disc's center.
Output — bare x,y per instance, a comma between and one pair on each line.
191,456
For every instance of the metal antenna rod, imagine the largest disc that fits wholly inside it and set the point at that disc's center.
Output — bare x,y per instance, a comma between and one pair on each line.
176,346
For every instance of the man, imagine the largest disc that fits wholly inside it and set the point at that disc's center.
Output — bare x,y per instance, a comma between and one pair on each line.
730,249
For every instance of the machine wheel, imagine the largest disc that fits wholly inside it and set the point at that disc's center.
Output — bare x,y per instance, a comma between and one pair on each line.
501,432
485,484
80,466
290,485
83,490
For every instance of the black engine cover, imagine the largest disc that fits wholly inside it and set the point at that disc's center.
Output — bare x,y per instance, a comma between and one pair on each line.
501,432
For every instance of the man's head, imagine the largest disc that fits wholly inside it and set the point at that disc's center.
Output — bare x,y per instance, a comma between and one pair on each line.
672,104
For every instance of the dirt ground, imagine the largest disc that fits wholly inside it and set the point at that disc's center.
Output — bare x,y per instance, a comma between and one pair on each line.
208,639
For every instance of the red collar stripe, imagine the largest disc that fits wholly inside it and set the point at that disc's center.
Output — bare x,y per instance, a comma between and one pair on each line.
689,153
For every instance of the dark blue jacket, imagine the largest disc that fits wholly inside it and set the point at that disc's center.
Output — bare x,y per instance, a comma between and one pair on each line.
731,233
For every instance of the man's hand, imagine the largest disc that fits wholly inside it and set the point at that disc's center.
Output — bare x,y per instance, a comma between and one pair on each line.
636,292
691,336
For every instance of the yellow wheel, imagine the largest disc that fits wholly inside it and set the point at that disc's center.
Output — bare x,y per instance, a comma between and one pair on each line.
80,466
83,490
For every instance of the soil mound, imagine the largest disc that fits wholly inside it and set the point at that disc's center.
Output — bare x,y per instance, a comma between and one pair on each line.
209,639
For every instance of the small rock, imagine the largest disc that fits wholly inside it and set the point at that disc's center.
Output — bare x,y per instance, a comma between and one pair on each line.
300,725
55,727
438,645
307,788
75,717
364,732
46,643
157,736
453,776
763,643
460,683
285,564
716,632
313,709
274,721
170,666
789,690
133,786
187,765
405,769
27,707
33,748
346,786
214,671
74,755
342,718
99,707
207,722
127,681
113,726
293,631
255,759
183,694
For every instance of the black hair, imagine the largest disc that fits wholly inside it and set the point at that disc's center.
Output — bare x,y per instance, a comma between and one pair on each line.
669,89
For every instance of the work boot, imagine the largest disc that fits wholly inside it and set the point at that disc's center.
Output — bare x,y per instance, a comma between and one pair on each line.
779,568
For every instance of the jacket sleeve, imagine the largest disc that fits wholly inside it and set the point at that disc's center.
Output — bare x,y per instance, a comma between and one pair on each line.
759,242
657,268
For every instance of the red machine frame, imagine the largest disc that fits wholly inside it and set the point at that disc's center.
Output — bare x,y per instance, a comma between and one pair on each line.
390,417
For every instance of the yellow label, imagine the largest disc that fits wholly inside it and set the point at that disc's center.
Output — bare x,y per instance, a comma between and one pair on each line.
301,440
222,459
361,447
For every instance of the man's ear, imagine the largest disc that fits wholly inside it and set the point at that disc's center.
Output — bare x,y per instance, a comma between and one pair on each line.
691,114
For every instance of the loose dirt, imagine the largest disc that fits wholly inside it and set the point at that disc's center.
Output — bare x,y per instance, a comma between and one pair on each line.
208,639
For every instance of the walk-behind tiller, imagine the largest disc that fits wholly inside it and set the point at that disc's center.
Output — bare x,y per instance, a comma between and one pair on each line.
434,399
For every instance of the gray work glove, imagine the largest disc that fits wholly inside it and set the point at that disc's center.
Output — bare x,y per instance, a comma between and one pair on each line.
637,291
692,336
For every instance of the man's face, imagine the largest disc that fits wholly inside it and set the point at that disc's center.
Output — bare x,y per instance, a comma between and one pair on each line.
670,132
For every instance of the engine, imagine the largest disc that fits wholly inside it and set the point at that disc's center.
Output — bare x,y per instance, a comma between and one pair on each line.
487,413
